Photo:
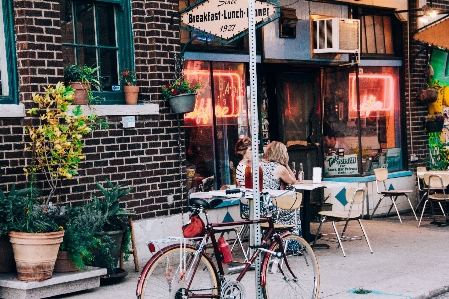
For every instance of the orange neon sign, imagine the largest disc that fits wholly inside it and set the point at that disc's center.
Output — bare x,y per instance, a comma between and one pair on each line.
228,95
376,93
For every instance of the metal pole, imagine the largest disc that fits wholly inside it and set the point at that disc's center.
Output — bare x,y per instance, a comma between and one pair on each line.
255,137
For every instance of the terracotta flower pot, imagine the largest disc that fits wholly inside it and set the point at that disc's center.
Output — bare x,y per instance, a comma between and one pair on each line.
131,94
63,263
35,254
183,103
81,95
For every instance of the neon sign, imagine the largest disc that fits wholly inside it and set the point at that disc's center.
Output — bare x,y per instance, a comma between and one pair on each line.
228,95
376,93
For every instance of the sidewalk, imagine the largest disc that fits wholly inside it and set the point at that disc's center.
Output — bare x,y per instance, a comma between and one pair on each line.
408,263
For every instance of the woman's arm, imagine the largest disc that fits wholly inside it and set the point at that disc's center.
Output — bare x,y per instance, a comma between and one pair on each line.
285,174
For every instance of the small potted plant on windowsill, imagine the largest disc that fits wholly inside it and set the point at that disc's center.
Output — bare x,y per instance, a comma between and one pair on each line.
181,95
130,89
82,79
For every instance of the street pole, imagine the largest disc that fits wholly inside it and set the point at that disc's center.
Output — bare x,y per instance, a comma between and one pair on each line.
255,138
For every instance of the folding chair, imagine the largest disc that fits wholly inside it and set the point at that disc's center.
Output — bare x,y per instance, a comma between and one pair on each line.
286,203
436,192
357,198
381,175
422,190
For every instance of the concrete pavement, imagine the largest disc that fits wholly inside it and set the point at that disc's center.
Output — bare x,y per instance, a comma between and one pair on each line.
408,263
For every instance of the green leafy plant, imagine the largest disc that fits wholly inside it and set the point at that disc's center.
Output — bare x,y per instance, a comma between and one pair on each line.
436,117
20,211
82,73
57,142
439,154
177,87
129,77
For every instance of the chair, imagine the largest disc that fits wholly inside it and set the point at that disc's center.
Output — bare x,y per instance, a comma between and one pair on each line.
381,175
422,190
286,203
357,198
436,192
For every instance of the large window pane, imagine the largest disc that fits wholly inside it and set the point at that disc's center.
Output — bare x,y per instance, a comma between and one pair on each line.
207,139
378,105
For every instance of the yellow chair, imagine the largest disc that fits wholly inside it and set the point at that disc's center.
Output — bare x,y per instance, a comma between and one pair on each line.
286,203
436,192
356,200
381,175
422,189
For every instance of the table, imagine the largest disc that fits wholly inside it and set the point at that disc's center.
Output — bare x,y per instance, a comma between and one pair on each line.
437,172
308,186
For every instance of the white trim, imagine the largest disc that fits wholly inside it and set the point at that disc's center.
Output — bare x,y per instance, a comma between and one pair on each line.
219,57
379,62
128,110
12,110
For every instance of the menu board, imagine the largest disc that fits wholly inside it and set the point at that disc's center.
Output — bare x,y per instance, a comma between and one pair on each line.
340,165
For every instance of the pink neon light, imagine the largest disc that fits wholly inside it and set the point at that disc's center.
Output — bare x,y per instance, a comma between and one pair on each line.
372,99
230,88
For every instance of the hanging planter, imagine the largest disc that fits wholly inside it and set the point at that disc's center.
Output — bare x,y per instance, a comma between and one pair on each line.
434,126
429,95
183,103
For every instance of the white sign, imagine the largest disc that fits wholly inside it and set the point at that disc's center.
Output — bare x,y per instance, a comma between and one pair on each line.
226,18
336,165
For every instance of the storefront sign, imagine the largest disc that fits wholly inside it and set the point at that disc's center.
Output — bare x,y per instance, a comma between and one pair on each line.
394,159
227,19
335,165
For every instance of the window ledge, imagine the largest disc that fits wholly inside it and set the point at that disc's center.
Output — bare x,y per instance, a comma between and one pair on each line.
129,110
12,110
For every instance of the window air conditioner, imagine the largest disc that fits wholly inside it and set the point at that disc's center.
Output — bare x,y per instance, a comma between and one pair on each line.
336,35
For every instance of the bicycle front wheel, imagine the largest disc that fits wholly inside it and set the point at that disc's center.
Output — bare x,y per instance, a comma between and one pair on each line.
301,280
166,278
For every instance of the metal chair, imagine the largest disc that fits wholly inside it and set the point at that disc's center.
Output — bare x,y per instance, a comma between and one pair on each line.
284,203
422,190
357,198
436,192
381,175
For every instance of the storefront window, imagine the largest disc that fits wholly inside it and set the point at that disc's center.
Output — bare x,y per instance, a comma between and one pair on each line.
368,120
220,118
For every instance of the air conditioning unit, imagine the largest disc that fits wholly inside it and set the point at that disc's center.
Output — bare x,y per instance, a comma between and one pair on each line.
336,35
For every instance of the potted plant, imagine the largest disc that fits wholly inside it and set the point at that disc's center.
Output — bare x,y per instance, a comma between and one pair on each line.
115,226
130,89
34,235
82,79
434,122
57,142
9,205
180,95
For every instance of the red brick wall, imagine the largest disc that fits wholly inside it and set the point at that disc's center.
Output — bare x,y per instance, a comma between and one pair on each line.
418,79
147,156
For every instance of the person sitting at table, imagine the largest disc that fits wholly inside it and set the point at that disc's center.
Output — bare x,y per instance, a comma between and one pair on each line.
242,149
276,170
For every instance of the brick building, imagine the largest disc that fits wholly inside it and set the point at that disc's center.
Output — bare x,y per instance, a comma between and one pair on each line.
40,39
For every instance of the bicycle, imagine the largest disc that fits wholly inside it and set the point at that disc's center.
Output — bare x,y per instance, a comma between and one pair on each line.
289,267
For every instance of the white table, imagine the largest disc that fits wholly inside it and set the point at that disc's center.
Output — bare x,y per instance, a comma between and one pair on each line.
437,172
308,186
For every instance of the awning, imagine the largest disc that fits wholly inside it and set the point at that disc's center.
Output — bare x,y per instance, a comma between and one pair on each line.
435,33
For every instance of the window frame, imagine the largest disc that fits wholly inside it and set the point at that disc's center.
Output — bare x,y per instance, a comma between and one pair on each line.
124,44
11,66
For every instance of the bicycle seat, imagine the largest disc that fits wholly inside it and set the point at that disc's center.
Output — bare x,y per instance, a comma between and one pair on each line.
196,202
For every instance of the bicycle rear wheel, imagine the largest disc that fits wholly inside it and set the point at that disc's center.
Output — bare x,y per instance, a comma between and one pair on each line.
166,280
280,282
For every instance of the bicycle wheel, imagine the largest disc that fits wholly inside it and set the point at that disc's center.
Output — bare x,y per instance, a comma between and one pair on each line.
165,279
302,261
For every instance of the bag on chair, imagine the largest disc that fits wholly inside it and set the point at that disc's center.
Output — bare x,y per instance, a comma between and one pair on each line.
196,228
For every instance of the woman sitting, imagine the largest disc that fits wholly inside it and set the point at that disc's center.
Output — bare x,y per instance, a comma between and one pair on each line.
275,171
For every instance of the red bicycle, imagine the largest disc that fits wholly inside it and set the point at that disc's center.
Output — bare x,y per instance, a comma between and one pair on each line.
184,270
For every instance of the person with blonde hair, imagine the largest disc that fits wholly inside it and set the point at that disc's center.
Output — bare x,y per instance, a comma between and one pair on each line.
276,170
243,150
275,166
